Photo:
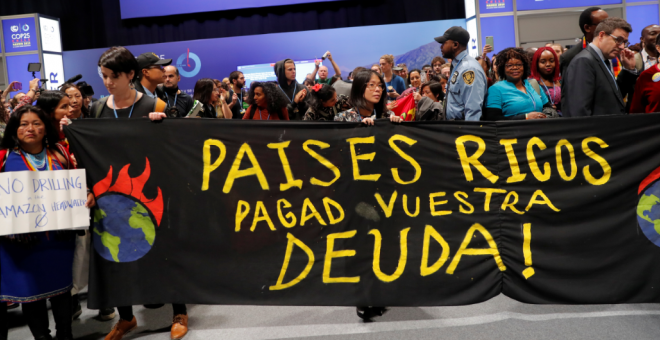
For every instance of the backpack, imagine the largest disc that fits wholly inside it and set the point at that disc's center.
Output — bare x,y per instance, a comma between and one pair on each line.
159,106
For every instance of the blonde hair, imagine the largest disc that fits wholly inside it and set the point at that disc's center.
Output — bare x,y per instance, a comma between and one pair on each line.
388,58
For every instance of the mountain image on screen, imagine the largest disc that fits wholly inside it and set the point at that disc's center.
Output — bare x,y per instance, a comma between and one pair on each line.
418,57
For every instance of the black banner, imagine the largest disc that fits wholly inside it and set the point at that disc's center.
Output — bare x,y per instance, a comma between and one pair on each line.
414,214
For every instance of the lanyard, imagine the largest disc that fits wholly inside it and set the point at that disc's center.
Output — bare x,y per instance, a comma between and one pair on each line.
360,115
33,167
114,107
286,95
168,99
612,74
262,118
529,95
548,92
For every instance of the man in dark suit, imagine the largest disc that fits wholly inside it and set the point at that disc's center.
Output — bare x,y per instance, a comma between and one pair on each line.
590,87
589,20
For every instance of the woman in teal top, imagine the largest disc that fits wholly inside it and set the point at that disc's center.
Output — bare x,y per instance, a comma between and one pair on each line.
514,97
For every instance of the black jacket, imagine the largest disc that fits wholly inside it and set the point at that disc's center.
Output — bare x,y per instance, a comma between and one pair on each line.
183,101
589,89
296,111
140,88
566,58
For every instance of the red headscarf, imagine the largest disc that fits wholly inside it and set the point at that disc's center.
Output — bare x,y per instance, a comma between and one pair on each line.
535,64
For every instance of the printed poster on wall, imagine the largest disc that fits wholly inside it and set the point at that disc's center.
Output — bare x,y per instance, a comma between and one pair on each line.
495,6
20,35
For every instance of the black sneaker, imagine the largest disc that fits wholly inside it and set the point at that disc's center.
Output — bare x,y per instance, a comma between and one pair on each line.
76,308
367,313
154,306
106,314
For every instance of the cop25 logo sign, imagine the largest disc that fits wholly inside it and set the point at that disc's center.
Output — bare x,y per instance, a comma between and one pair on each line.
14,28
185,68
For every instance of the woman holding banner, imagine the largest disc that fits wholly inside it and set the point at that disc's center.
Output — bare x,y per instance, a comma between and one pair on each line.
515,97
37,266
367,100
118,67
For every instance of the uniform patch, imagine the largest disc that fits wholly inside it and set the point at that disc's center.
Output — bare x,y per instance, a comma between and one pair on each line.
454,77
468,77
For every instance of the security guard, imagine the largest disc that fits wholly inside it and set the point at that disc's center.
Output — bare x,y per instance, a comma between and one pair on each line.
467,85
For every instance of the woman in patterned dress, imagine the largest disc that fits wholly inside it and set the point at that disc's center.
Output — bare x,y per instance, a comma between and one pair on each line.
36,266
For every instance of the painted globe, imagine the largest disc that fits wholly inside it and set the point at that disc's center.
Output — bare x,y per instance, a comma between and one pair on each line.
648,212
124,230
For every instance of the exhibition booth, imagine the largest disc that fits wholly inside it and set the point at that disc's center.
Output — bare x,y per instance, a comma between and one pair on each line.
31,39
533,23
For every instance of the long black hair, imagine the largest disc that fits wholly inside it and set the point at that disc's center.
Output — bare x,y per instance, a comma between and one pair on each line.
48,102
436,89
83,108
360,81
204,90
10,139
275,99
315,99
4,116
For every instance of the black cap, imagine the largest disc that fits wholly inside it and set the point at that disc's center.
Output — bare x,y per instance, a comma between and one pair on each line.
456,33
145,60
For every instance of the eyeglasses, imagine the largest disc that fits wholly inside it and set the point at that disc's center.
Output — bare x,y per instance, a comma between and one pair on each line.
512,66
620,41
373,87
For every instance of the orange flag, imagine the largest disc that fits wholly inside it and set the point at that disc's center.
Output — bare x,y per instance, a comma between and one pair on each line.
406,108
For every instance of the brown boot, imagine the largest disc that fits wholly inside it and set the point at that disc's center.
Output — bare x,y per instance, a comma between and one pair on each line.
179,327
121,328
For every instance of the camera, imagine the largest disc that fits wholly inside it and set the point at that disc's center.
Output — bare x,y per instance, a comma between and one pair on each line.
36,67
172,112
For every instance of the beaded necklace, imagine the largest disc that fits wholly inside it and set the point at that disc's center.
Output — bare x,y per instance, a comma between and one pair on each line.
38,161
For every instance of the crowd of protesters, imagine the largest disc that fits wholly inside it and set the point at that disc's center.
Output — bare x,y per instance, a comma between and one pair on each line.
597,76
